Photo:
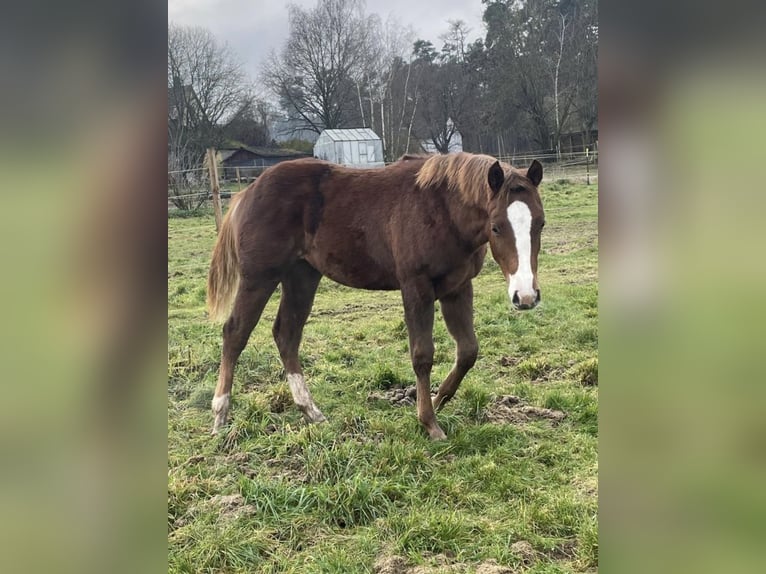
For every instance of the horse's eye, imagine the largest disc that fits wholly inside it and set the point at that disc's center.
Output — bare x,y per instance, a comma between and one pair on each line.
495,230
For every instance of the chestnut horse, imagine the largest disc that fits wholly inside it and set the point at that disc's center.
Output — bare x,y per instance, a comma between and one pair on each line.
420,225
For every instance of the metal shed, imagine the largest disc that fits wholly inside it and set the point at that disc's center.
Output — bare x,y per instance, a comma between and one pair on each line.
356,147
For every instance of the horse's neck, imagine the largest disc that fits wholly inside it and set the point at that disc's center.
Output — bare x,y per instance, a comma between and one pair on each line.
471,221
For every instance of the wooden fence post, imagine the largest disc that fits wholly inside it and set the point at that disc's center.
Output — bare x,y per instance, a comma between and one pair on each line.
212,165
587,166
239,181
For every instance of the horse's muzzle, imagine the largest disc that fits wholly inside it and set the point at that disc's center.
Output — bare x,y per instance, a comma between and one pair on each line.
526,302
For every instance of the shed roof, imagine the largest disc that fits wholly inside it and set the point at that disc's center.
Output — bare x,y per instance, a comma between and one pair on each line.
351,134
263,152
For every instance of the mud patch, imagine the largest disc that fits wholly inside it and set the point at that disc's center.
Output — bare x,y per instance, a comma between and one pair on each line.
229,506
509,361
565,551
399,565
398,397
524,550
280,400
390,565
492,567
239,457
227,502
509,409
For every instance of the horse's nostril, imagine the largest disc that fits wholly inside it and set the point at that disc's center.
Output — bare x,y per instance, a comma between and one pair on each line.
525,302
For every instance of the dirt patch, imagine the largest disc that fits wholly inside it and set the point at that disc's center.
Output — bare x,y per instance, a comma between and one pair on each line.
509,409
565,551
391,565
239,457
288,467
492,567
227,501
280,400
524,551
509,361
398,396
230,505
398,565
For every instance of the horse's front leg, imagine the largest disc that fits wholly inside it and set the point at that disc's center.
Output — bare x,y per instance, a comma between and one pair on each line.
418,298
457,310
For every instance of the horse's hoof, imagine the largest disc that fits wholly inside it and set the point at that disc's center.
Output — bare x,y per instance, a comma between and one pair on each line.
220,412
314,416
437,434
316,419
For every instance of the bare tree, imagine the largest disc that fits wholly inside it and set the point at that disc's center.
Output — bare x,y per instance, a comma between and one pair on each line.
448,87
455,39
561,37
390,87
207,88
314,74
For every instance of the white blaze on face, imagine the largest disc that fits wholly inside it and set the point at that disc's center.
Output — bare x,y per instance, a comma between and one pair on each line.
521,222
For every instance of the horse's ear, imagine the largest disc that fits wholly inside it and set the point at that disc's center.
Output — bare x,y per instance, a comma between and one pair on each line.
535,172
496,177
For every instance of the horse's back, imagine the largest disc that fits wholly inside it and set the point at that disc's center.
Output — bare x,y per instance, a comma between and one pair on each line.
364,228
334,217
354,244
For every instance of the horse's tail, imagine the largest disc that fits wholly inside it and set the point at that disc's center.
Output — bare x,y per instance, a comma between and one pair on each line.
223,277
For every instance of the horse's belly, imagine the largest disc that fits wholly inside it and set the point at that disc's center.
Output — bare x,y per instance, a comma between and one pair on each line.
354,270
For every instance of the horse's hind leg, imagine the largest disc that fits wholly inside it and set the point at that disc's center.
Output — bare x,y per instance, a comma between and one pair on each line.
299,286
248,306
458,315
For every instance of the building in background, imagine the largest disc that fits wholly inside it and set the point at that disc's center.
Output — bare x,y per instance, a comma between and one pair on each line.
251,161
355,147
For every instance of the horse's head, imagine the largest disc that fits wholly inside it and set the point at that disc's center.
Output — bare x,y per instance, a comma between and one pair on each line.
516,219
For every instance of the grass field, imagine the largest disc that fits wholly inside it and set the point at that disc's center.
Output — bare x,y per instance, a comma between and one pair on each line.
368,492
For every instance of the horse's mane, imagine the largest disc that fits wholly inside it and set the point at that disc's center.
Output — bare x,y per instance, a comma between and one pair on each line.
464,173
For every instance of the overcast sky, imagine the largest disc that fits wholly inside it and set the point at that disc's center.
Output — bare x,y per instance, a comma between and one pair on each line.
254,27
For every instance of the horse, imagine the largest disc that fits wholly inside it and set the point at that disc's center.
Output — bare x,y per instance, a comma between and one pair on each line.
420,225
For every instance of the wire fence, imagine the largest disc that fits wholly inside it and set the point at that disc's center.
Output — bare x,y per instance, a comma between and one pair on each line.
191,189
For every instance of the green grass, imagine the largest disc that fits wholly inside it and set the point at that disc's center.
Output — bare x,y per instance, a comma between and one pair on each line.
369,484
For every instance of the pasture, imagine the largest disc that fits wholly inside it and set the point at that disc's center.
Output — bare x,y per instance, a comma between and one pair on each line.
512,489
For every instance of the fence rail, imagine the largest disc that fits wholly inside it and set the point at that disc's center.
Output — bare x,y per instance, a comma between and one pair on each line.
193,188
